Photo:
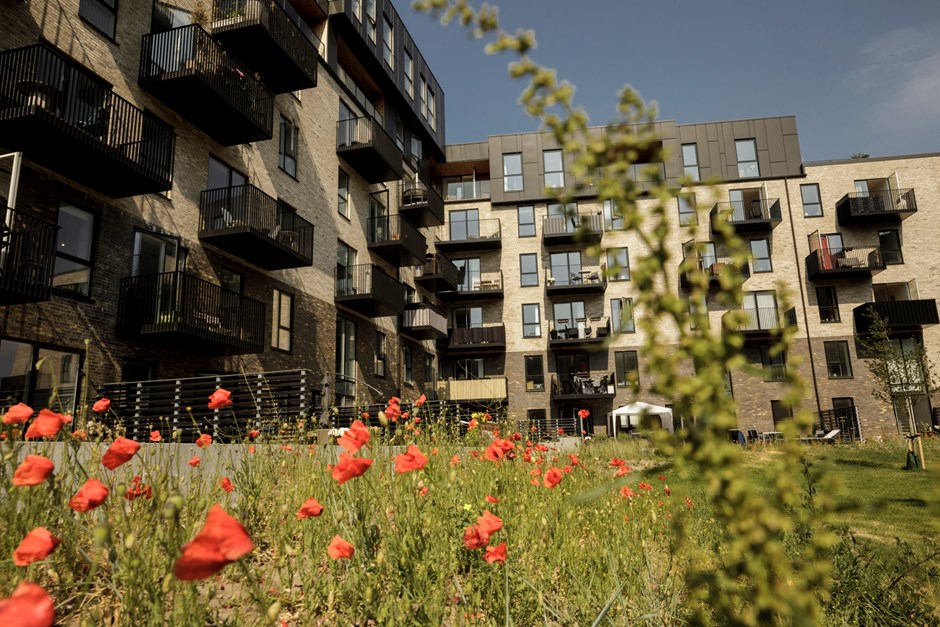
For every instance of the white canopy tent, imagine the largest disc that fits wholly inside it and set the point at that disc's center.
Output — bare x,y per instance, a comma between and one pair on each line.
630,415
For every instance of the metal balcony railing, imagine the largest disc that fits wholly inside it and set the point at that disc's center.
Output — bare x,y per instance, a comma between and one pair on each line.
713,267
438,266
850,259
578,276
752,212
897,314
578,330
421,203
767,319
884,205
583,384
474,281
584,222
493,334
27,255
423,316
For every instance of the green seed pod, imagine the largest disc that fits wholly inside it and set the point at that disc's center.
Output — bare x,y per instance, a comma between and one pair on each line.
102,535
129,540
274,610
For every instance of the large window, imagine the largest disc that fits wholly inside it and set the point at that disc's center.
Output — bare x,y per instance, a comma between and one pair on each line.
690,161
812,205
345,361
388,42
890,242
534,373
409,75
407,359
553,164
687,214
618,264
566,268
464,224
512,172
470,368
613,216
526,221
342,193
529,269
423,95
223,175
621,315
282,319
432,110
774,364
430,372
760,255
746,150
102,14
780,412
469,276
531,321
74,250
345,259
828,304
467,317
370,19
627,368
838,363
287,148
53,385
569,320
155,253
381,354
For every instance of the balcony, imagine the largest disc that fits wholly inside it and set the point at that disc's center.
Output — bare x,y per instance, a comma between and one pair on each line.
490,338
190,72
437,274
421,204
66,118
876,207
713,267
467,190
271,39
369,290
763,322
851,262
182,309
580,333
470,235
27,254
900,315
493,389
580,280
423,322
394,239
476,285
369,149
583,228
584,386
754,216
253,226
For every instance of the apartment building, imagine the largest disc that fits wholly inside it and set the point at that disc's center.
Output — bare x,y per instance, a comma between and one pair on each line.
197,190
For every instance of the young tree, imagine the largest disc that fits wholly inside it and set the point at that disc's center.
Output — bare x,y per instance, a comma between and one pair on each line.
903,374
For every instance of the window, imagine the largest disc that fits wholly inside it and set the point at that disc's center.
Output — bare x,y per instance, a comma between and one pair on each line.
471,368
534,373
554,168
342,192
166,17
621,315
73,250
687,214
467,317
388,42
760,310
529,269
760,254
890,242
287,148
746,150
565,268
156,254
613,216
464,224
53,385
282,313
409,75
407,358
627,368
345,272
512,172
838,363
828,304
102,14
780,412
469,276
690,161
230,280
526,221
562,218
345,361
223,175
424,97
381,354
774,364
531,322
698,310
618,264
812,205
370,19
432,111
430,372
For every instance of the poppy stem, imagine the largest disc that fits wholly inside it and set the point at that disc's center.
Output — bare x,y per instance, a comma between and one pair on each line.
506,592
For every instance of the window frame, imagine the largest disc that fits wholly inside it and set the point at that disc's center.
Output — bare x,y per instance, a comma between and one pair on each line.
621,360
773,367
555,174
744,173
689,217
432,110
342,193
380,363
831,309
685,166
409,73
527,326
522,270
407,362
818,202
899,259
277,328
619,322
612,221
88,263
511,158
423,95
370,20
33,375
287,150
388,42
534,382
469,313
520,223
843,347
100,5
755,260
623,267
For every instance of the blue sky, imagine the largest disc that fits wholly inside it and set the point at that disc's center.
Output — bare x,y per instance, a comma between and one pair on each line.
860,75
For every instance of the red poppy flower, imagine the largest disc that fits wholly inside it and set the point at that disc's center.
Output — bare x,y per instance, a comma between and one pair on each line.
251,449
645,486
412,459
662,477
584,413
18,414
495,554
423,491
204,440
393,411
489,523
101,405
498,449
406,415
355,437
138,489
535,472
35,546
226,484
473,424
623,470
475,538
220,399
574,459
311,507
47,424
626,492
560,431
365,415
492,499
667,491
349,467
486,417
340,549
616,461
534,482
89,496
194,461
119,452
33,470
421,400
81,435
455,460
221,541
566,470
155,436
28,606
552,477
253,434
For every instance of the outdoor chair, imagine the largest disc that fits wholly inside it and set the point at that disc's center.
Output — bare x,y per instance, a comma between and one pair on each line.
753,435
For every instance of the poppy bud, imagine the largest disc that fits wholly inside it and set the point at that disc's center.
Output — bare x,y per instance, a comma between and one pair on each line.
129,540
274,611
102,535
